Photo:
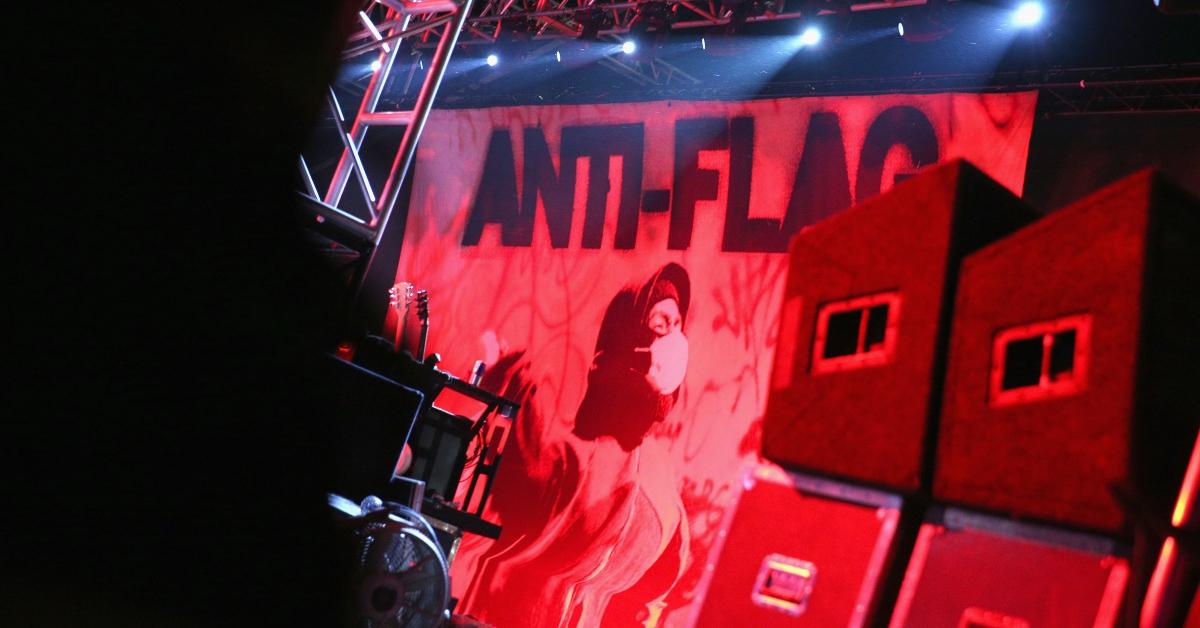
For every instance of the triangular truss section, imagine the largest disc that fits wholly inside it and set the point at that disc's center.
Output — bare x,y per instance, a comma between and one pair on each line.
385,26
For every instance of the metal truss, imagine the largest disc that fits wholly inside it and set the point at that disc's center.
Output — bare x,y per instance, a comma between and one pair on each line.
1171,88
593,18
498,21
1163,88
385,25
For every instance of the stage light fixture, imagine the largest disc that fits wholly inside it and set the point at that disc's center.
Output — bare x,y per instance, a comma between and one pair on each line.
375,65
929,22
738,11
515,29
591,21
822,22
558,56
493,60
653,16
629,46
1028,14
811,36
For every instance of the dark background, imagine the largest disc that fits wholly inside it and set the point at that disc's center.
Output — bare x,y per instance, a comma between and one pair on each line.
1070,156
165,428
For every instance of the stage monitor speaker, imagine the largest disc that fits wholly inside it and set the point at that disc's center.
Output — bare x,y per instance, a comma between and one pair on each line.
375,416
1073,363
975,571
797,551
865,321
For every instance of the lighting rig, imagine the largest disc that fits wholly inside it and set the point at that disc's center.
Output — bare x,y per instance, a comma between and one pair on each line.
404,47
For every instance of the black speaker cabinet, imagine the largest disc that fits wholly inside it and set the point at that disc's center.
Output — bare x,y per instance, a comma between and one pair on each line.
375,416
865,321
1073,364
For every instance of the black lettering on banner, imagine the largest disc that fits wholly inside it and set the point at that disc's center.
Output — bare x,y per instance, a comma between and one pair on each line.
557,191
599,143
743,233
901,124
822,185
496,198
820,188
692,183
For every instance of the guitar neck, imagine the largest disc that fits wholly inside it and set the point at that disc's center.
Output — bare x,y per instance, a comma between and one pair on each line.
400,298
423,314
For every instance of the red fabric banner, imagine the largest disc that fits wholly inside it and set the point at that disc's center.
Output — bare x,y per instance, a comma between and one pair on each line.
619,268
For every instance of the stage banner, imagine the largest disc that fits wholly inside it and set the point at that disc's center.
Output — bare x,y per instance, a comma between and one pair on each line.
619,269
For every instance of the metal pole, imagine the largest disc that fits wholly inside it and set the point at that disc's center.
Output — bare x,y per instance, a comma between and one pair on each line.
408,145
348,144
350,53
358,130
309,185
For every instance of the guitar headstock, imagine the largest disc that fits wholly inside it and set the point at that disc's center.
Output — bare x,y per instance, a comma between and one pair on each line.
423,305
400,296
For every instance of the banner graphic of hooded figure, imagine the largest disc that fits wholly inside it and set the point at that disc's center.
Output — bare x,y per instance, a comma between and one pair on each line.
619,269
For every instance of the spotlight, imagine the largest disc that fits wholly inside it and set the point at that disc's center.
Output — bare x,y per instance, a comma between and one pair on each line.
492,60
811,36
741,10
823,21
628,47
375,65
900,27
1028,14
558,56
